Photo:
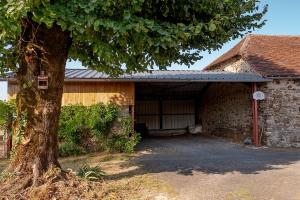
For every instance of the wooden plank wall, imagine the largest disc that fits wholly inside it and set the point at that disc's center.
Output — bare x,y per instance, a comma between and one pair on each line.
88,93
12,90
176,114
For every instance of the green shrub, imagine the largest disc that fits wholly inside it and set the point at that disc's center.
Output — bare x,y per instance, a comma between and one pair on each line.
126,139
7,113
78,122
71,123
90,173
69,149
101,118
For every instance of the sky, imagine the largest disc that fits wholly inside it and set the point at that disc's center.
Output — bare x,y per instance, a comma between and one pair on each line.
283,18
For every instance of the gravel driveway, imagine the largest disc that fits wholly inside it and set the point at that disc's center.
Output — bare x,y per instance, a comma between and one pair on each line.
210,168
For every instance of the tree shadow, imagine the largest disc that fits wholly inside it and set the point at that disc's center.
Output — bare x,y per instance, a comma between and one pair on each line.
187,155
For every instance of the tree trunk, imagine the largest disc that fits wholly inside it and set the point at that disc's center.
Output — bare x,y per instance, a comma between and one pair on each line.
43,50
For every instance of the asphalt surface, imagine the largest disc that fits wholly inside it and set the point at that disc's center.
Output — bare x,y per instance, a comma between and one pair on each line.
210,168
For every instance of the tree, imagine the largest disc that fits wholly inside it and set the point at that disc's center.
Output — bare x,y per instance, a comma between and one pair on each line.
38,36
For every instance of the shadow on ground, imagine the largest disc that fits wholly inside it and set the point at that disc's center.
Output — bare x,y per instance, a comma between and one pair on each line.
186,155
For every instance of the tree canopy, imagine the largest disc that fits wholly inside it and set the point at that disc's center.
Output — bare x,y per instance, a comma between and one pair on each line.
108,34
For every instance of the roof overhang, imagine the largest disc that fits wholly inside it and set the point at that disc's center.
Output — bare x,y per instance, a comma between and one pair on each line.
159,76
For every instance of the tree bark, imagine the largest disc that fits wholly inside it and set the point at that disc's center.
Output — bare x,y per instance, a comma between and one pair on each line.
43,50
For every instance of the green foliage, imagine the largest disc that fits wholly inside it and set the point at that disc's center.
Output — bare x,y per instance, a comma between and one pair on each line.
90,173
107,35
126,139
7,113
78,121
101,117
10,117
69,149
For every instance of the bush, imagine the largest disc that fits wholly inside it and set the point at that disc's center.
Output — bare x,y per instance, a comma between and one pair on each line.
7,113
126,139
101,118
69,149
80,125
83,128
71,123
77,122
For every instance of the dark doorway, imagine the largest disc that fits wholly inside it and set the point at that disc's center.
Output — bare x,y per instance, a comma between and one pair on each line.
167,108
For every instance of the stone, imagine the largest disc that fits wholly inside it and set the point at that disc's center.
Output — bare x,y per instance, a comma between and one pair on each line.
279,113
248,141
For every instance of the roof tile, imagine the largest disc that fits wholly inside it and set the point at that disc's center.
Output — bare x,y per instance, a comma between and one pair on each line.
269,56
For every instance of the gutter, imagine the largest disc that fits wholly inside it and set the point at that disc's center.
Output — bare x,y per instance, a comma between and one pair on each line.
263,80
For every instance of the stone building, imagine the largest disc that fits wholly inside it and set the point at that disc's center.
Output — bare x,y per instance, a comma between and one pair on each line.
272,57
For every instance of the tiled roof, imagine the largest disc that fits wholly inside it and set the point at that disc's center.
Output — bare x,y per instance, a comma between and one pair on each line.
161,75
269,56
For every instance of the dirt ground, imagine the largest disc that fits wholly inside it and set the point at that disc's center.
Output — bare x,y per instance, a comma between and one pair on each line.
123,180
215,169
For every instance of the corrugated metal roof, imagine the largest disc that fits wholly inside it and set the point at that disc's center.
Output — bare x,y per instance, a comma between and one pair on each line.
162,75
165,75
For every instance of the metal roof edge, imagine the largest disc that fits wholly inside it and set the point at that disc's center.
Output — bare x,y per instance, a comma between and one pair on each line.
164,76
167,80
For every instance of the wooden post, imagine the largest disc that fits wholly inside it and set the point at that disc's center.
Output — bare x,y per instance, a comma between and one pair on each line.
255,117
160,114
196,111
132,116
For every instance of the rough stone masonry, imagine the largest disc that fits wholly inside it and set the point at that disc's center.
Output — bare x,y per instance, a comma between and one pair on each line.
226,111
279,113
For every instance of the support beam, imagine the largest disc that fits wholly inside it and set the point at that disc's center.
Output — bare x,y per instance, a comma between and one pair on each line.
8,143
255,130
132,116
196,111
160,114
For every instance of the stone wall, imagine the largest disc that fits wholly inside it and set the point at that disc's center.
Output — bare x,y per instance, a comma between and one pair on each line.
226,110
280,113
235,65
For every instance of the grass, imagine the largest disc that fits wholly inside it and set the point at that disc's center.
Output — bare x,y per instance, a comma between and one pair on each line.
3,164
123,179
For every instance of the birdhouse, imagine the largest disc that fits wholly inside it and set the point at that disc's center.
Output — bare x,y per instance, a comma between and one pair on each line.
43,81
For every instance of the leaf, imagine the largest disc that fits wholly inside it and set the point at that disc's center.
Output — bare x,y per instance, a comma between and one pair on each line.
97,25
108,35
212,27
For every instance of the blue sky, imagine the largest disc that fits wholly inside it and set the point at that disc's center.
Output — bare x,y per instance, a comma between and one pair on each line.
282,19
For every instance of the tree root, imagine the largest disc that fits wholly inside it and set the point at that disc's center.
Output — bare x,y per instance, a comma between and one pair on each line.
19,186
54,184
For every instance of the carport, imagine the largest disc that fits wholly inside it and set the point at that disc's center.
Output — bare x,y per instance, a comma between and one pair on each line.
173,102
170,102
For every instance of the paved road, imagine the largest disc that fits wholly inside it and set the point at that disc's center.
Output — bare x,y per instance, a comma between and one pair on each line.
210,168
